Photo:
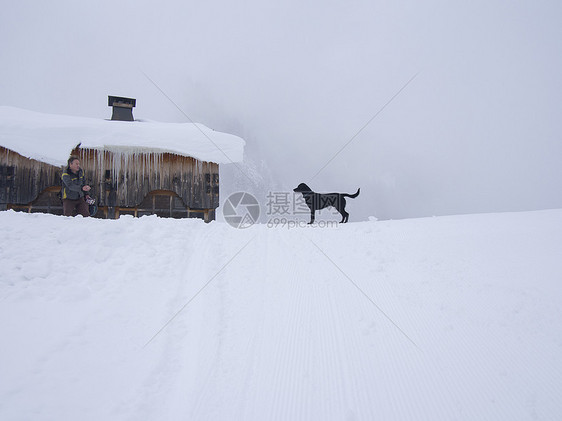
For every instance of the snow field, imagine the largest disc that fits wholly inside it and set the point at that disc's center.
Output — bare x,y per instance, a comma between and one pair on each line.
436,318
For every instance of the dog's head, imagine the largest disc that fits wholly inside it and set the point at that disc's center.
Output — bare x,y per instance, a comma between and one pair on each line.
302,188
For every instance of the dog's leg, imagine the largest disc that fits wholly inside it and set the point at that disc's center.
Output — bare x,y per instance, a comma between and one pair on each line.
341,209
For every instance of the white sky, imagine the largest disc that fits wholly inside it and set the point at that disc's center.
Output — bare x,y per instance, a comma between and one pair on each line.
476,131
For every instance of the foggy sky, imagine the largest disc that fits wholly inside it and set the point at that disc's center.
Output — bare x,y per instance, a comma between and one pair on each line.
476,130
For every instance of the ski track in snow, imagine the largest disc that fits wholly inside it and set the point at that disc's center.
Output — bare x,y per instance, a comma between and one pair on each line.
143,319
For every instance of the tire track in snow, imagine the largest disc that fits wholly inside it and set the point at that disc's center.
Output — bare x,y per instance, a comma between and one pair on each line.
179,325
300,361
397,366
272,380
259,338
310,365
350,347
218,382
272,398
361,348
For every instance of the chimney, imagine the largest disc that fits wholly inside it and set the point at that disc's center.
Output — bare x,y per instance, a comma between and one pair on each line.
122,108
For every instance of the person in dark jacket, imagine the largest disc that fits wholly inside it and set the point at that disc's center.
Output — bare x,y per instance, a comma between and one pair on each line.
74,188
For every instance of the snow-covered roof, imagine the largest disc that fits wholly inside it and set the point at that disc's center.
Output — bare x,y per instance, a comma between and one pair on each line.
50,138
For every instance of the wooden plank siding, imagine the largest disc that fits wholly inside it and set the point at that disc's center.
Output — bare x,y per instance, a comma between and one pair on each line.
124,179
22,179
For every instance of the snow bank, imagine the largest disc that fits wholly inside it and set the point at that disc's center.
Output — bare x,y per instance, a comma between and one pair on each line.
50,138
430,319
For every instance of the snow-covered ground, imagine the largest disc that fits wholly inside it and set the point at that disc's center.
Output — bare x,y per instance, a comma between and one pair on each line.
449,318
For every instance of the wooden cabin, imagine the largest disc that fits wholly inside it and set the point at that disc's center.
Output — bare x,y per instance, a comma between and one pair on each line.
126,179
123,183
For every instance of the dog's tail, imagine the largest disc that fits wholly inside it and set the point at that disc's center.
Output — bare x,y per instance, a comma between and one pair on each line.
353,196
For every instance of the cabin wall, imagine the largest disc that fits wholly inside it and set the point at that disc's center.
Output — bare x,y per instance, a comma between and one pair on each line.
121,183
22,179
124,179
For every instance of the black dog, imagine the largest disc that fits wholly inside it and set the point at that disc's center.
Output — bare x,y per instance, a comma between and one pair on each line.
317,201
